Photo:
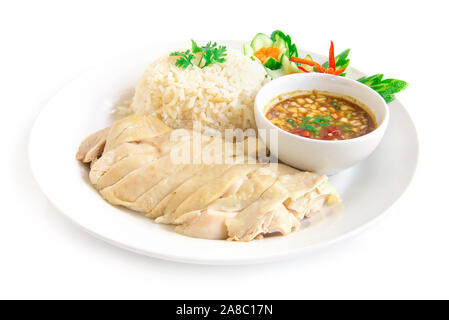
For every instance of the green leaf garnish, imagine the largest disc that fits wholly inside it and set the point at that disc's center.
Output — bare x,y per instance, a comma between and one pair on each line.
185,58
308,123
322,121
309,127
209,54
195,47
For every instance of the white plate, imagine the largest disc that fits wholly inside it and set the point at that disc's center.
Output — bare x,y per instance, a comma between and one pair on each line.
85,105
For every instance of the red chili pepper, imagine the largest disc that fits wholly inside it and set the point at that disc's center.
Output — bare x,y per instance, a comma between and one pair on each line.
339,72
334,131
331,56
335,72
305,134
302,69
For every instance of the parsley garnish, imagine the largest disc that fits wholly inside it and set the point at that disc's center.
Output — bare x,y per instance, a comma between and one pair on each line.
185,59
208,55
320,121
309,127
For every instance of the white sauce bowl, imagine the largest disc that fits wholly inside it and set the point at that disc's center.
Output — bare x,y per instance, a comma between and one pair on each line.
322,156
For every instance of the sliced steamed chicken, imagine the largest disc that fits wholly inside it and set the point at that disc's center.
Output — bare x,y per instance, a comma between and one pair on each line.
222,192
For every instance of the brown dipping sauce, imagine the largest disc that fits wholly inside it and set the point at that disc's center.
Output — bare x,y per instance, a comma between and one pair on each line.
323,116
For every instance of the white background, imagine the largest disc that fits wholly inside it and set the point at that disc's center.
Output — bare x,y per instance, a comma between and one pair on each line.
44,44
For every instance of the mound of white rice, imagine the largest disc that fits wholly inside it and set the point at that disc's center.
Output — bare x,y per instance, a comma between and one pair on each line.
220,96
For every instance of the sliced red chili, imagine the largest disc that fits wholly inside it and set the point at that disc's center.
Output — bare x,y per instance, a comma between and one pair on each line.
339,72
332,57
305,134
302,69
334,131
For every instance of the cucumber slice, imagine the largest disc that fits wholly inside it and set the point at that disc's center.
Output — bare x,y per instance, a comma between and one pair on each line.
288,66
272,63
261,41
247,50
273,74
281,45
291,47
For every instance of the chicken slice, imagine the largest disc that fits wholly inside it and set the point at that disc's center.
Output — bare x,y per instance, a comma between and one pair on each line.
207,172
139,157
156,146
308,192
122,168
150,199
140,180
300,183
283,221
134,129
213,190
251,188
208,224
169,204
211,224
257,217
136,183
108,159
92,147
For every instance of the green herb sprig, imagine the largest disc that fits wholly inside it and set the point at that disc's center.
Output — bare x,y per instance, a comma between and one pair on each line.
209,55
320,121
185,58
309,127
